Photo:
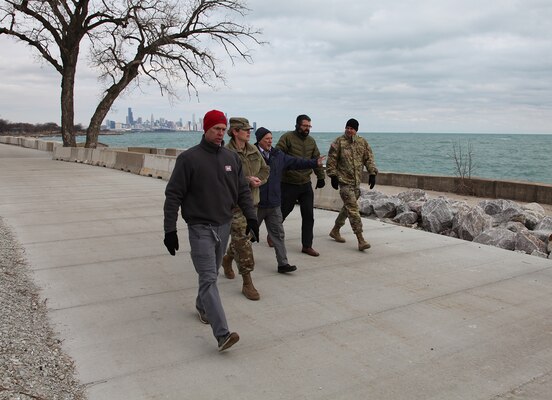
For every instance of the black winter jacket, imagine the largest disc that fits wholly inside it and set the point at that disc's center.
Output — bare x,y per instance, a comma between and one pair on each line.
207,182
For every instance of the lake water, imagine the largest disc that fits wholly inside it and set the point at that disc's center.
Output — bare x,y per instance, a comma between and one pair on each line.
497,156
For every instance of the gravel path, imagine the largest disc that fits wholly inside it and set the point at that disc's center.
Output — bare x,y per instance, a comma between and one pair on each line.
32,363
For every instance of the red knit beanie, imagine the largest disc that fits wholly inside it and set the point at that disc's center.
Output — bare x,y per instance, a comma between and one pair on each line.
212,118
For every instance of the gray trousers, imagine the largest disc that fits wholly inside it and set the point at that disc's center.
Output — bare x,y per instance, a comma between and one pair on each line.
207,245
275,227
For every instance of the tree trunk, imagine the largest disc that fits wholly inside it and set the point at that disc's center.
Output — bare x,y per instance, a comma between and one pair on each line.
104,106
68,101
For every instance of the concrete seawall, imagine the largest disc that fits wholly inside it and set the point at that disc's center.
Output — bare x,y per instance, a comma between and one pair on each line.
159,163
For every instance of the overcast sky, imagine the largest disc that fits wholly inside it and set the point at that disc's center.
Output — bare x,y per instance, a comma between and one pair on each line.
396,65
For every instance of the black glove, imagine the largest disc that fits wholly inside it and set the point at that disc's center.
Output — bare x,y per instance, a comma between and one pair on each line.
320,183
372,181
171,242
335,182
253,227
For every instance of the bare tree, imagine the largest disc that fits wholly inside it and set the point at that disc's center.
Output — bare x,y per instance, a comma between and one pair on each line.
55,29
464,165
163,40
168,41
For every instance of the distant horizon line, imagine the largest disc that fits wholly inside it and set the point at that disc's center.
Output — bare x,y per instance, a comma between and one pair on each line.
402,132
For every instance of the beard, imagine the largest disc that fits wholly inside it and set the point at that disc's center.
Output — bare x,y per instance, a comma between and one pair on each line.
303,132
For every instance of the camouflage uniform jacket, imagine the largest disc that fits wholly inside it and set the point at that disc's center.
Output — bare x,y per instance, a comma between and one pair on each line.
346,158
253,164
296,145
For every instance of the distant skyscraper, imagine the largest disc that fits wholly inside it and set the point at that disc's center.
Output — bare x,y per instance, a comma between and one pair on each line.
130,118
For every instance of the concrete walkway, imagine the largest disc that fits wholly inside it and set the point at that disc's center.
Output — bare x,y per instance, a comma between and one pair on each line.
418,316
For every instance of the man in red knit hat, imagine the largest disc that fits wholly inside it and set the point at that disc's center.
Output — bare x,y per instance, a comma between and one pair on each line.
206,184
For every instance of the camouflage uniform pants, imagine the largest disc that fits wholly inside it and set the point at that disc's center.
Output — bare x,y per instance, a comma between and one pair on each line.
349,194
240,246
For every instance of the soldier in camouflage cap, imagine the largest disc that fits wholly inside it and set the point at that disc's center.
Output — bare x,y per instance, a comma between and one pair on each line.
256,172
348,155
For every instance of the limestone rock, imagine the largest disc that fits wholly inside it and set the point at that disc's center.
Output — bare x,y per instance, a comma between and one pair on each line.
542,235
416,206
406,218
371,194
469,223
536,207
532,218
367,199
402,208
544,225
527,242
503,211
365,206
412,195
514,226
386,208
437,215
458,205
450,233
498,237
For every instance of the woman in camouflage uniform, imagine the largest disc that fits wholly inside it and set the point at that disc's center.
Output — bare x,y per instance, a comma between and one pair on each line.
256,172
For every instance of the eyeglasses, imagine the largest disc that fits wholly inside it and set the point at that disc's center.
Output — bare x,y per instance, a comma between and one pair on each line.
306,126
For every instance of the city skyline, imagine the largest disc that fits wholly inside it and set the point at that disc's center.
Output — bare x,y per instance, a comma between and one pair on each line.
158,124
141,123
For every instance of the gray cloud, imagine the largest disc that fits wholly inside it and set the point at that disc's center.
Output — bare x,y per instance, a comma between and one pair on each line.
435,66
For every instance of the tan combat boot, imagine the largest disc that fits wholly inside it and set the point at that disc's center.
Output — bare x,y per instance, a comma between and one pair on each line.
362,244
248,289
334,233
227,265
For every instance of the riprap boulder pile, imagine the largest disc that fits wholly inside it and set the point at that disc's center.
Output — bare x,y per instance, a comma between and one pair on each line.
501,223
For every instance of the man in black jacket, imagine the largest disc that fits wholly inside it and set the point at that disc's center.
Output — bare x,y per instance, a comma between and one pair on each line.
206,184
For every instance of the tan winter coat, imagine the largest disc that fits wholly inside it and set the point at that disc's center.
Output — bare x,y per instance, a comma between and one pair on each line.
253,164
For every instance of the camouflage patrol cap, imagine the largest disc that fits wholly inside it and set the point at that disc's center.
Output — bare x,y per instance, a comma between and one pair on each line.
239,123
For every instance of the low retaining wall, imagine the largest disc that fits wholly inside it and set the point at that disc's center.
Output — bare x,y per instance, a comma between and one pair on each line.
159,163
30,143
519,191
141,163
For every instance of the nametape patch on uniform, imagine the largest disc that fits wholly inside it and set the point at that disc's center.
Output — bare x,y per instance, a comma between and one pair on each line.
228,168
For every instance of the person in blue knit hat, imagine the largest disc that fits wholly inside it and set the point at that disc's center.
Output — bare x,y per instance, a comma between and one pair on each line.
269,209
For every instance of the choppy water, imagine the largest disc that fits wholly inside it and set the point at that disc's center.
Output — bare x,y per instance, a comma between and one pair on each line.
497,156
